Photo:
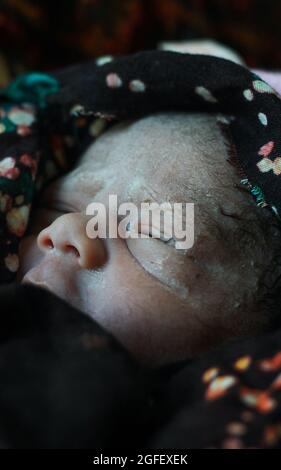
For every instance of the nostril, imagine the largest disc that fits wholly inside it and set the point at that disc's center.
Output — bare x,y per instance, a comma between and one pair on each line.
72,249
47,243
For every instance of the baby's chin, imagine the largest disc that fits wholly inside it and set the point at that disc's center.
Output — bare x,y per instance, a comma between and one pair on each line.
149,343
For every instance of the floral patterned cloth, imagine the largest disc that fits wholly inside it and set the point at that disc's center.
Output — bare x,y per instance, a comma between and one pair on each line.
45,117
230,399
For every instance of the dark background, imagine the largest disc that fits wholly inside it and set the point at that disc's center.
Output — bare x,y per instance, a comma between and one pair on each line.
45,34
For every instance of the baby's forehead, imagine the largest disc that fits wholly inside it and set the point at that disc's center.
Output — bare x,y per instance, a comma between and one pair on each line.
170,152
163,132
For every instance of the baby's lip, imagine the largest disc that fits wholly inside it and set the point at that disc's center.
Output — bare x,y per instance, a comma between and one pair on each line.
55,276
28,278
61,282
32,277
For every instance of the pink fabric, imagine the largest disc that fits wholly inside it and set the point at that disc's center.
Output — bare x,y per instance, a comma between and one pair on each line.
272,78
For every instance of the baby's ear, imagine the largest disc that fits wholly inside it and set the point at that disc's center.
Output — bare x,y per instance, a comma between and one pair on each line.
204,47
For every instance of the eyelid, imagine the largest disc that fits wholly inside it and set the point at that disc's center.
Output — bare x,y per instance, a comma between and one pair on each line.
49,202
150,231
55,208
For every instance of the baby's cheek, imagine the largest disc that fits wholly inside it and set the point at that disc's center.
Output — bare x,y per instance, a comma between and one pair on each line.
144,316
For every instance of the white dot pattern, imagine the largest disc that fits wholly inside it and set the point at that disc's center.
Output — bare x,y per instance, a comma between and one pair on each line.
263,119
205,94
113,80
137,86
248,94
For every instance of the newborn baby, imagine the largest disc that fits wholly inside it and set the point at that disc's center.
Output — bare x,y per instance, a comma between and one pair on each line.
161,303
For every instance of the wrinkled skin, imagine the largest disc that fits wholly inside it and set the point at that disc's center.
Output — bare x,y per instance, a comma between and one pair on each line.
163,304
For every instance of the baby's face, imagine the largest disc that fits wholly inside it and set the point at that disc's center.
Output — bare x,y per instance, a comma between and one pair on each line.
162,303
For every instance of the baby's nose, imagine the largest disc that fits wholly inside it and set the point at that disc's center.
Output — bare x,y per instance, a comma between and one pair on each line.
67,236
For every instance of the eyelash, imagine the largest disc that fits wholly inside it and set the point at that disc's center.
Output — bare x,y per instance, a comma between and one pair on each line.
55,206
170,241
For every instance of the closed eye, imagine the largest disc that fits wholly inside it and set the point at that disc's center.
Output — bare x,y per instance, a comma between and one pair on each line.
48,201
54,207
149,231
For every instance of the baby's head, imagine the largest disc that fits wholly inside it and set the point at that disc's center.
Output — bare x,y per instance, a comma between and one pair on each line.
162,303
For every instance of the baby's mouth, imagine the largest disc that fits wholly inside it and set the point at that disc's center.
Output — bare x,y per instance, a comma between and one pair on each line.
55,275
29,278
